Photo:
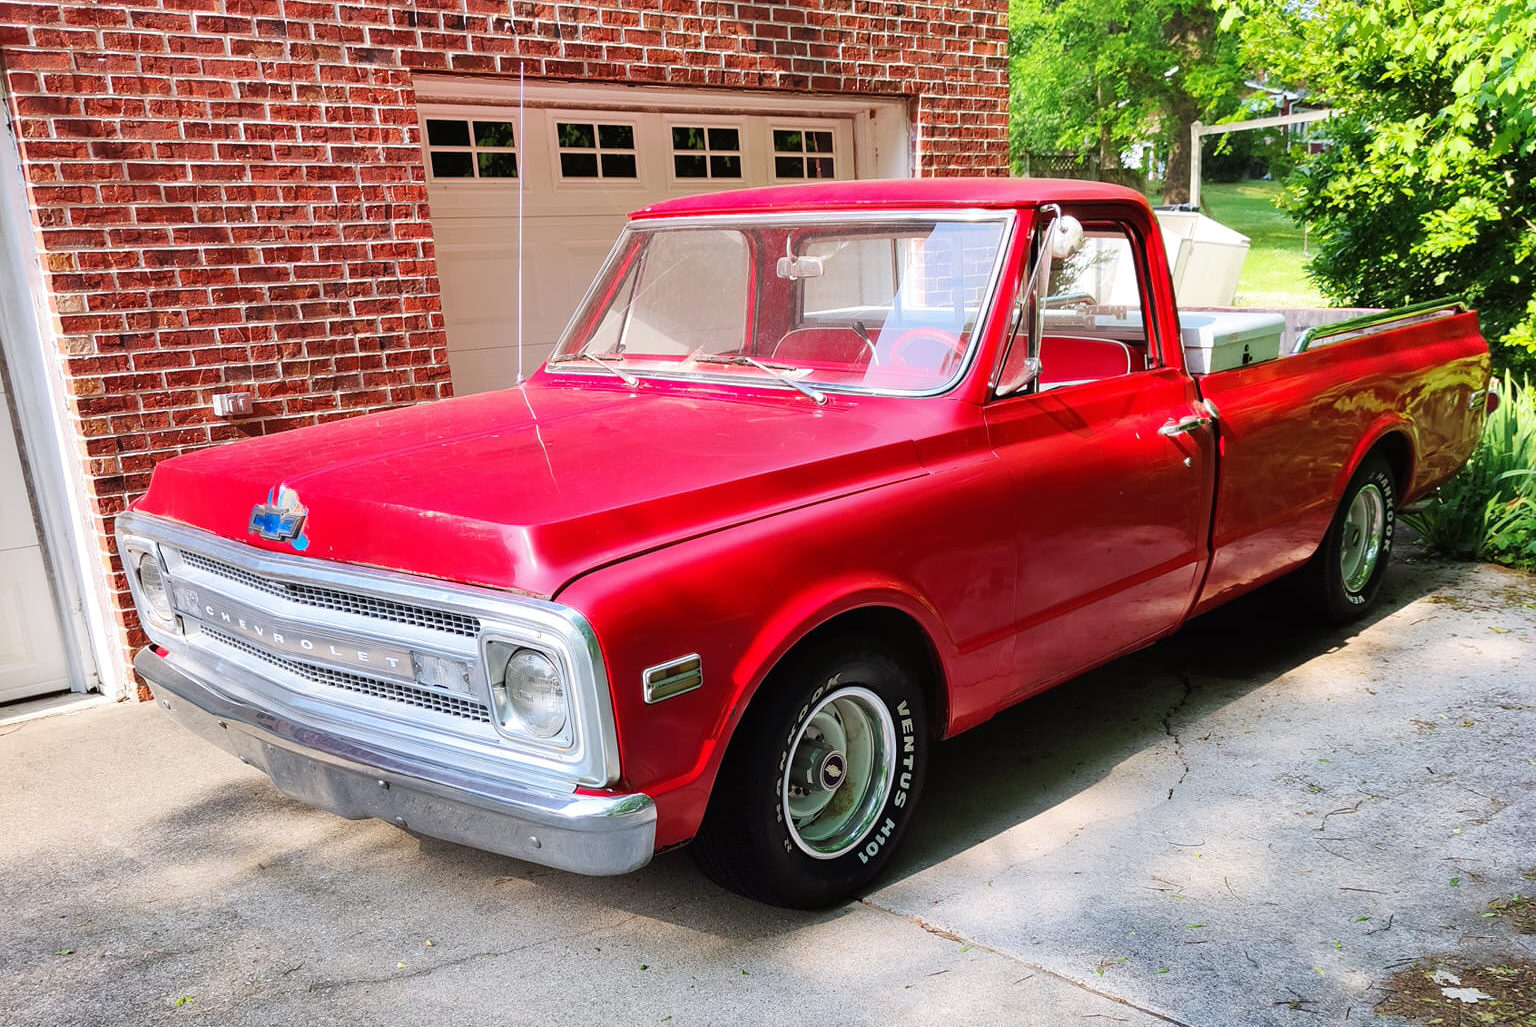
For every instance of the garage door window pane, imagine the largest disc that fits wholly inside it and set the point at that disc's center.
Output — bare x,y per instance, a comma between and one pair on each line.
690,165
465,148
578,165
700,152
618,165
590,150
574,134
791,148
616,137
453,165
447,133
493,133
498,165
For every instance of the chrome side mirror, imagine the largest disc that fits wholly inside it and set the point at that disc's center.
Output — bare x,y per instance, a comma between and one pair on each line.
1066,236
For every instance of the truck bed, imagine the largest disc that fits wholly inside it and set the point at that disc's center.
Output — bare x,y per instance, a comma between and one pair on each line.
1292,428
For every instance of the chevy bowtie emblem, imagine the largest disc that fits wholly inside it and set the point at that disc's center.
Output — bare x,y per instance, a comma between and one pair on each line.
833,769
281,518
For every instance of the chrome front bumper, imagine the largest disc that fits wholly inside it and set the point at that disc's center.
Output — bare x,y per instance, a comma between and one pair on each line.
581,833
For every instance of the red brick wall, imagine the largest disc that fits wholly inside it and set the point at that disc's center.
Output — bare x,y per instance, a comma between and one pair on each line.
229,194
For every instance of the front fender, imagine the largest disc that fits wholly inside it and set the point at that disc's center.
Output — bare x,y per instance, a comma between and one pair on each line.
821,601
742,598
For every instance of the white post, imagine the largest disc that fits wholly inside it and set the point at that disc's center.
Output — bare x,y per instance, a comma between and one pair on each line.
520,155
1197,131
1194,164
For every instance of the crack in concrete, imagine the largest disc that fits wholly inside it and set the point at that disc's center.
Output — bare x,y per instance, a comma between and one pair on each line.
947,935
1178,742
461,960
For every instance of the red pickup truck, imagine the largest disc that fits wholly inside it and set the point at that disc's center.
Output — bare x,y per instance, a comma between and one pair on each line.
816,477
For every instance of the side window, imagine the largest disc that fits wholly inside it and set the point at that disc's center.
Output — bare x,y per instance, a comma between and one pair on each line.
1094,319
1097,291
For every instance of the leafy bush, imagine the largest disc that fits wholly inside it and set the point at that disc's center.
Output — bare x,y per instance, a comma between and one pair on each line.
1488,510
1428,186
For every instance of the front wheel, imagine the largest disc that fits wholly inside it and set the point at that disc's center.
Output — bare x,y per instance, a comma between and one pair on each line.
1345,574
821,780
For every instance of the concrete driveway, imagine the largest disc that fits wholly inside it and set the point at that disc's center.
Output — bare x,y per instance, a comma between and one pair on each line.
1251,823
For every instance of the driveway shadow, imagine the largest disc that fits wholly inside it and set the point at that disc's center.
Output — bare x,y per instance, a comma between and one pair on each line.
1034,756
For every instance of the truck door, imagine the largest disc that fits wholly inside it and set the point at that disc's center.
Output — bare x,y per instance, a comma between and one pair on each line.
1111,456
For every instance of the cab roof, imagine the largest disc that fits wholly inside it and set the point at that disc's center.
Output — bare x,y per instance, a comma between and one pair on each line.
894,192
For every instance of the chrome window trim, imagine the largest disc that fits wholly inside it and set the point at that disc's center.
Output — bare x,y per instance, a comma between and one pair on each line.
550,627
1008,217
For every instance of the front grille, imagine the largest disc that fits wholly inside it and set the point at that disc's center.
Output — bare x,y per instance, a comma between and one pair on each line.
335,599
409,695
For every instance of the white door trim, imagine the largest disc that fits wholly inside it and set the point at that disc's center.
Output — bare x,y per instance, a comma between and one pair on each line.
883,141
37,394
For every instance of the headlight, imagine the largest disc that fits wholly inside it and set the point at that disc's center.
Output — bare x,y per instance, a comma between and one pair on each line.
145,566
527,691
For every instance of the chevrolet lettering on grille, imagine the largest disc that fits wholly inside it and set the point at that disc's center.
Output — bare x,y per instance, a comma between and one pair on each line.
288,639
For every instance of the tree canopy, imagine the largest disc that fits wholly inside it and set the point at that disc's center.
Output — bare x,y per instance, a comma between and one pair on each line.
1101,76
1429,186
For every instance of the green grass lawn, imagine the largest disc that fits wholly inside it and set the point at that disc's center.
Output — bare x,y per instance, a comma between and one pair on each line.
1273,275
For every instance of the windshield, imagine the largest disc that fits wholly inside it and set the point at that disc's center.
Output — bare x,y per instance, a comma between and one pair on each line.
888,305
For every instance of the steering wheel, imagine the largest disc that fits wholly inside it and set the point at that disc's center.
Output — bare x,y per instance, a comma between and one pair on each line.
916,347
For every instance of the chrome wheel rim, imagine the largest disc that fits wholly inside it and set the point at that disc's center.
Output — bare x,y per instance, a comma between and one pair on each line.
1364,528
838,772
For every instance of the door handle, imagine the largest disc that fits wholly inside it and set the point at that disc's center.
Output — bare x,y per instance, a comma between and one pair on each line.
1184,425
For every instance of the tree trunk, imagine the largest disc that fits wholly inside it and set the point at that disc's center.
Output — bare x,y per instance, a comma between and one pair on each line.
1183,113
1189,33
1106,146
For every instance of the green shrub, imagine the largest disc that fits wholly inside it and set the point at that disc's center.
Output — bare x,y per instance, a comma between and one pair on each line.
1488,510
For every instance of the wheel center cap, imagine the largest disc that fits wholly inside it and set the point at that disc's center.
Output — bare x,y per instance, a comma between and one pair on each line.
834,767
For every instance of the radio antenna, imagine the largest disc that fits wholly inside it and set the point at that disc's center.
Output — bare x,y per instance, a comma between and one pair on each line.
522,143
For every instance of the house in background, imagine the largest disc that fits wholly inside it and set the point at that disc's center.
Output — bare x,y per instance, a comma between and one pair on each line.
315,202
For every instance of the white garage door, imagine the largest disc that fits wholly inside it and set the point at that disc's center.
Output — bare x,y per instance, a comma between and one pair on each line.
31,649
584,168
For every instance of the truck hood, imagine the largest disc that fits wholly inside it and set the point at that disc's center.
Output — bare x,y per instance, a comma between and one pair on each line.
528,488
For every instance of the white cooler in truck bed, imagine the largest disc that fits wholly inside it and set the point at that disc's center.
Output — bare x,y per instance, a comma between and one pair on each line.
1222,340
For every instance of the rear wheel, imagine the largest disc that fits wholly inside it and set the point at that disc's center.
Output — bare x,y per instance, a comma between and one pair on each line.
1345,574
821,780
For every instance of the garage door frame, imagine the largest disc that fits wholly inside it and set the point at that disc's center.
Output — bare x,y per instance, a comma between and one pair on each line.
882,134
37,394
475,218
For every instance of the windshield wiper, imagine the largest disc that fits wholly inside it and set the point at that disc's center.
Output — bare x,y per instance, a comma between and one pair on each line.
863,333
777,370
600,361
